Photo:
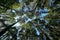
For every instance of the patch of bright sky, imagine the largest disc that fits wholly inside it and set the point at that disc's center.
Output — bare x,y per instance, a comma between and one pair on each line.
13,11
17,24
25,9
45,10
28,20
20,1
34,17
37,32
23,15
16,18
43,14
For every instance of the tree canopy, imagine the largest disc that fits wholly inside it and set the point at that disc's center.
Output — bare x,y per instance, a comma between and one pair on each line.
29,19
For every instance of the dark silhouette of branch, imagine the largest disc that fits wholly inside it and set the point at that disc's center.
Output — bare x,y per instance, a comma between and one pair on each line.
46,34
7,28
5,6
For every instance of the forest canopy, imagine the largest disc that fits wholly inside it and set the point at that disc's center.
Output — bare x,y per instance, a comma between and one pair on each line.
29,19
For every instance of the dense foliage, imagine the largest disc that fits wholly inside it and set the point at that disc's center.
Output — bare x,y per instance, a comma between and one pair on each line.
29,19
